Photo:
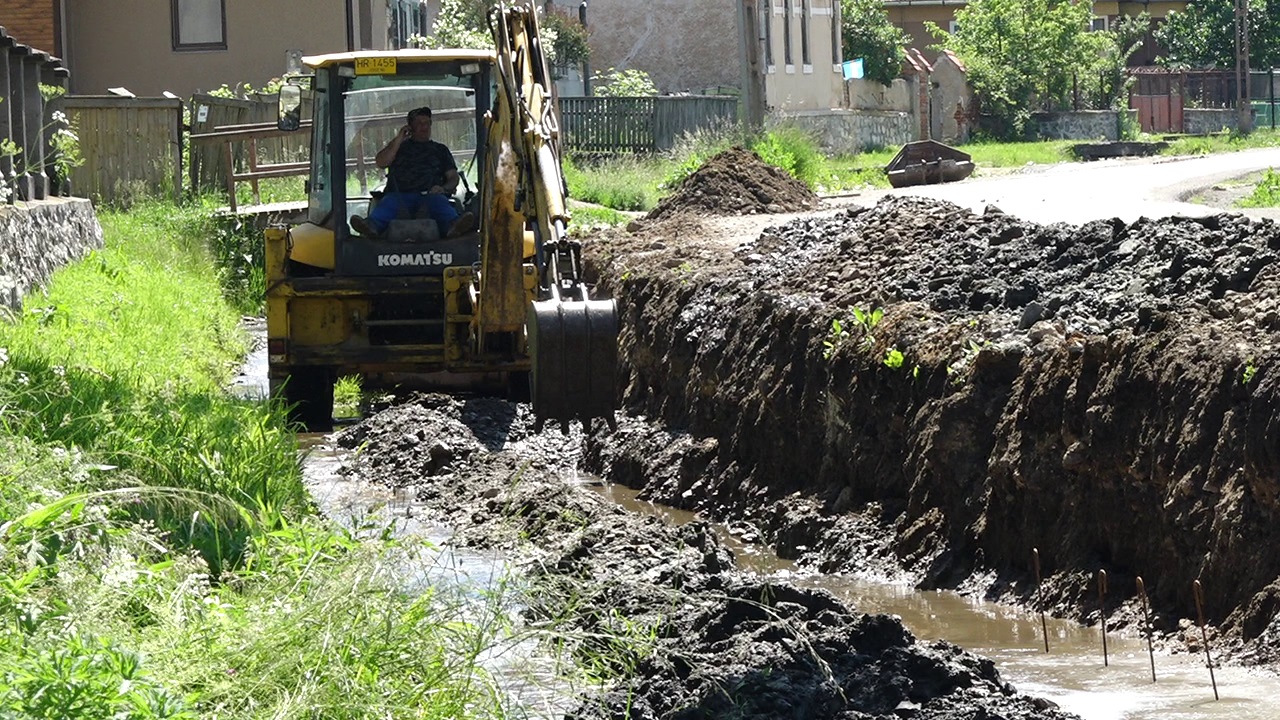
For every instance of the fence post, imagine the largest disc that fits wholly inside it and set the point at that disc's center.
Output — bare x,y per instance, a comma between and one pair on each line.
34,107
18,119
6,105
55,75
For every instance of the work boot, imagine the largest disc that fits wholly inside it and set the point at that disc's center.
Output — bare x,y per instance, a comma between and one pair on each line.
465,223
362,226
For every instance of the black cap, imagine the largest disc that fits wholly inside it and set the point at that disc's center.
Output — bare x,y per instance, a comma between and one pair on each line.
416,112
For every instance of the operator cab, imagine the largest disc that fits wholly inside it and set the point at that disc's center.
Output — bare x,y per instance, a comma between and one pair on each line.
376,91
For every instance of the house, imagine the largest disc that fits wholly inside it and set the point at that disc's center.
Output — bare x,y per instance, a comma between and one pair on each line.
184,46
912,16
696,47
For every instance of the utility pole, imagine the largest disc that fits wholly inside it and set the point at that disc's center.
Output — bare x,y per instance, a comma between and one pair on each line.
1244,105
586,64
750,36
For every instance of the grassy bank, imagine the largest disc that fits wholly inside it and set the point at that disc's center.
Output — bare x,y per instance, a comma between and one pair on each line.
159,557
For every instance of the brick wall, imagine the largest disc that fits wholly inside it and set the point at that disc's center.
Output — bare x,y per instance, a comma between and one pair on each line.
30,22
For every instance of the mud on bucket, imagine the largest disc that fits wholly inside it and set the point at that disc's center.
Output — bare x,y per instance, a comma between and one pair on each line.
573,346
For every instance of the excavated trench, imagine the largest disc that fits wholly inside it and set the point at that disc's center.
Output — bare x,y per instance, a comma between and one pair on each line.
1105,394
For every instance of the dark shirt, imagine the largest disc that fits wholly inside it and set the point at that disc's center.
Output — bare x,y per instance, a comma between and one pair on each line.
419,166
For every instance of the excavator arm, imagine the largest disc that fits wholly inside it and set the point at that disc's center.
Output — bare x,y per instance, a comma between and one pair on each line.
572,339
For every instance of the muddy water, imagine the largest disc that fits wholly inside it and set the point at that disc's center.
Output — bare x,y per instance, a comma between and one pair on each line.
1072,674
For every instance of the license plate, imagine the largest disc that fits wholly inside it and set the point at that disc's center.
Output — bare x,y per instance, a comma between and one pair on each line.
376,66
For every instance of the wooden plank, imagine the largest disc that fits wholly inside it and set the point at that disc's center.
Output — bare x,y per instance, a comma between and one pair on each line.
113,101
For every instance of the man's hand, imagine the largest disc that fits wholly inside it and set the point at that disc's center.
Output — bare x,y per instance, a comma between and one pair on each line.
437,190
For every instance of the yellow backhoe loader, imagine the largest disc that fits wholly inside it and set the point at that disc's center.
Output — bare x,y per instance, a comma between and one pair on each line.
503,308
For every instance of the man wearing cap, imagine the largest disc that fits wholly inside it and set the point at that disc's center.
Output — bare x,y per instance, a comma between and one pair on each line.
420,171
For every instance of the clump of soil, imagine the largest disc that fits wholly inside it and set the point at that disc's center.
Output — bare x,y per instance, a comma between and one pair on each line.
726,644
736,182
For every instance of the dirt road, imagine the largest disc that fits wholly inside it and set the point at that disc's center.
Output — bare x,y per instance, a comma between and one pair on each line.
1080,192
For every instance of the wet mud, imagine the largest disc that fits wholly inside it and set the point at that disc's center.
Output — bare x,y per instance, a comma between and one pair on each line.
661,609
1106,393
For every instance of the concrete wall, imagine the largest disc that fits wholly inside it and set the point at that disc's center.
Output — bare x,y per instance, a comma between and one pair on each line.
851,131
682,45
1202,121
1083,125
870,95
38,238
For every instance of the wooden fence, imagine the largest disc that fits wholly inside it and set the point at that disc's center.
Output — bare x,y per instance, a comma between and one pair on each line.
209,161
130,146
600,125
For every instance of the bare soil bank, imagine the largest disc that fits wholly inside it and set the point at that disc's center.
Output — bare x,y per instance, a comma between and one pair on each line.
1106,393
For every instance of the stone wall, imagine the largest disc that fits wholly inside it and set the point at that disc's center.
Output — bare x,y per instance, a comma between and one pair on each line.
38,238
1082,125
1202,121
851,131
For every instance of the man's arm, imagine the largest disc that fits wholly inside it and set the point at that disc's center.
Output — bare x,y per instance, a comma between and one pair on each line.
387,154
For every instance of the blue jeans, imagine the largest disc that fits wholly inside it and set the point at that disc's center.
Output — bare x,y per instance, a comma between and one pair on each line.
438,207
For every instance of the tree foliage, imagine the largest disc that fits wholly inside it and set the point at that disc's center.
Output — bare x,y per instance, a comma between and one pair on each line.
1024,55
624,83
867,33
1203,35
464,24
1108,86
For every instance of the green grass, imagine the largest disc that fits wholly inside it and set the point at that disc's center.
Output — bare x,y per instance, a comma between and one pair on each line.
1222,142
624,183
1266,193
159,557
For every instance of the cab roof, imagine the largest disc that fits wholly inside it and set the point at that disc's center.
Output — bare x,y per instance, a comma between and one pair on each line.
404,56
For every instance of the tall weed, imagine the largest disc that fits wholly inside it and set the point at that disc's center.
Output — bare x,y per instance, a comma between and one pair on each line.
793,150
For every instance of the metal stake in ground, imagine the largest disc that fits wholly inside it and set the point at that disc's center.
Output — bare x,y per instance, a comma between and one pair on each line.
1204,635
1044,626
1146,621
1102,607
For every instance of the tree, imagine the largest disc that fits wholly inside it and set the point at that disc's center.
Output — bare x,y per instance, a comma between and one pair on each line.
1108,83
464,24
1022,55
865,32
1203,35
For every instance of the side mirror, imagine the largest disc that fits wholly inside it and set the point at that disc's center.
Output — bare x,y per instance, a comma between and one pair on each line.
290,101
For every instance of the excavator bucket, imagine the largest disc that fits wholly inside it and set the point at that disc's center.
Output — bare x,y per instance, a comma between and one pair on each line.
926,162
574,349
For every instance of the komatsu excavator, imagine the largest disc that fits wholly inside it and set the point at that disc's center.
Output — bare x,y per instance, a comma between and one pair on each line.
503,308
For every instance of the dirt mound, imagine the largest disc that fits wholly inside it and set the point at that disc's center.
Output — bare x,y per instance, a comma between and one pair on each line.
736,182
1092,278
724,643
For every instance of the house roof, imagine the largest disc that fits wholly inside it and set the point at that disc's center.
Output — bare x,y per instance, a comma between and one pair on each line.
409,56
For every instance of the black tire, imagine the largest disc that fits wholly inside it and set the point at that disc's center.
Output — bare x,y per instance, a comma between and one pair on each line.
309,393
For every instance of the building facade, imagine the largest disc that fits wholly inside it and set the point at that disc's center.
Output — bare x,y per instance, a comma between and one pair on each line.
184,46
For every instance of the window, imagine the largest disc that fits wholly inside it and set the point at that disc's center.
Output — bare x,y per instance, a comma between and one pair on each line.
953,27
786,32
1099,24
767,14
836,35
199,24
804,33
404,18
